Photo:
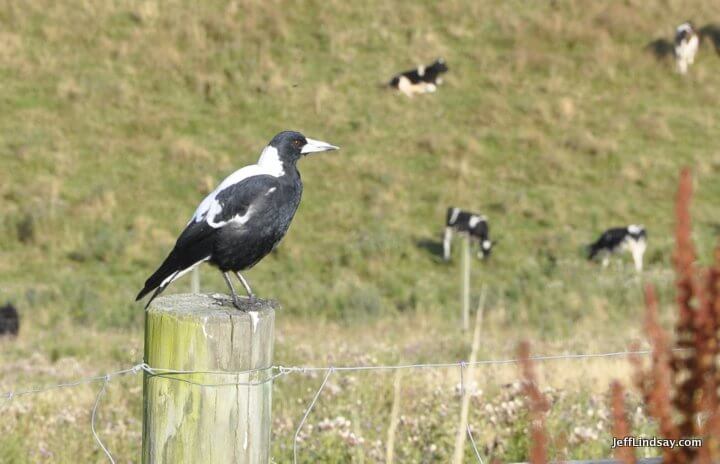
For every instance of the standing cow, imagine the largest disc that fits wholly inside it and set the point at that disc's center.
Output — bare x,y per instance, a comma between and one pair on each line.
632,238
465,222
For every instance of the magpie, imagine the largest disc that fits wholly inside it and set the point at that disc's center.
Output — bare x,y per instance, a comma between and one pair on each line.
243,219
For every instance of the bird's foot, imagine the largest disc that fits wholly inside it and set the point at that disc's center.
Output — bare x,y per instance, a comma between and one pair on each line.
236,303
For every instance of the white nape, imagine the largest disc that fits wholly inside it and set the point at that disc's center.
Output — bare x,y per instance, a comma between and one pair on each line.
270,161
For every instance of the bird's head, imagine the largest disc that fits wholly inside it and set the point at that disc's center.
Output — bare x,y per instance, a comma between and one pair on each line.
291,146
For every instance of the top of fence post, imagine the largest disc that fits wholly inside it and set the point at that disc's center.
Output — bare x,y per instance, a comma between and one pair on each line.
219,412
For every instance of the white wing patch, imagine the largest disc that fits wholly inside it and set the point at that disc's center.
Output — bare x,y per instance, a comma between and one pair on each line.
268,164
238,176
216,209
177,275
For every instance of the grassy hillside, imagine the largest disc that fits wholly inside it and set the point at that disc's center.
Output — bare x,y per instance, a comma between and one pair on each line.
554,121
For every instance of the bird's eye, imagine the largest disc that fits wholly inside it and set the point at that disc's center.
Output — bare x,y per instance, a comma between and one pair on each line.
297,143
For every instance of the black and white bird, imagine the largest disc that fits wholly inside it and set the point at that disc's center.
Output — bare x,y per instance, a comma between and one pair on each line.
243,219
686,46
474,225
423,79
632,238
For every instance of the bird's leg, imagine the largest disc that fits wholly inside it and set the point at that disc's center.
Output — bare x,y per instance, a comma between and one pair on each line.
249,291
236,302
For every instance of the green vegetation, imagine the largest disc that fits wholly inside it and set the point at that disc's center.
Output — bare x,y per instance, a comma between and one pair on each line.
118,117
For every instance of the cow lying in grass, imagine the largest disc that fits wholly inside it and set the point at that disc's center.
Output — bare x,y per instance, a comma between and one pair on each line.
424,79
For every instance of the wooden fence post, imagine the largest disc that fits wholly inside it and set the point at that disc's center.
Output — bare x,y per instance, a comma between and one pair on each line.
185,422
462,430
465,285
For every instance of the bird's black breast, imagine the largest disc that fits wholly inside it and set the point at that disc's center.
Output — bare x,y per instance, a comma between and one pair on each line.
241,246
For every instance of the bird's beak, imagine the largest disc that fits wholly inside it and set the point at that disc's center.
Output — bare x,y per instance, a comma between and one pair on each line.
314,146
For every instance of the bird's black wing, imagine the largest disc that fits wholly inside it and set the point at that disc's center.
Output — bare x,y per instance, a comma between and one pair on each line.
197,240
234,201
194,245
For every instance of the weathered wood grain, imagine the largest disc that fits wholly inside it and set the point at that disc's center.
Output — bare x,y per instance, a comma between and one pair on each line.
185,422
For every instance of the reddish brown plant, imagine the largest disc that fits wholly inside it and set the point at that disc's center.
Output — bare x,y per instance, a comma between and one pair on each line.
621,427
538,407
655,384
680,389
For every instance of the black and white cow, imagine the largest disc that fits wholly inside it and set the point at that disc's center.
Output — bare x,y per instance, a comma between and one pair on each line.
9,320
686,46
424,79
474,225
632,238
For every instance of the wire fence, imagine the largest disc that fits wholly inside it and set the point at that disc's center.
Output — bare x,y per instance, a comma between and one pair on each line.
275,372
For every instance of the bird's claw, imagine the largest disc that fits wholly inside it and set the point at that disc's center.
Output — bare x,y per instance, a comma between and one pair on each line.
236,303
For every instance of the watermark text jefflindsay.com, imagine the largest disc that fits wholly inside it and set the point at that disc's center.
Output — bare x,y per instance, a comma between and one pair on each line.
655,442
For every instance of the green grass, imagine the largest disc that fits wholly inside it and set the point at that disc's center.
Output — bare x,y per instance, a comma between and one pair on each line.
554,122
118,117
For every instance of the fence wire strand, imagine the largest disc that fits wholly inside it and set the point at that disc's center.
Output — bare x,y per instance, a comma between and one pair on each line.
474,446
307,413
281,371
462,397
92,419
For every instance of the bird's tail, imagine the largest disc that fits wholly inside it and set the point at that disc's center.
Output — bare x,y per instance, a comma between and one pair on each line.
168,271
